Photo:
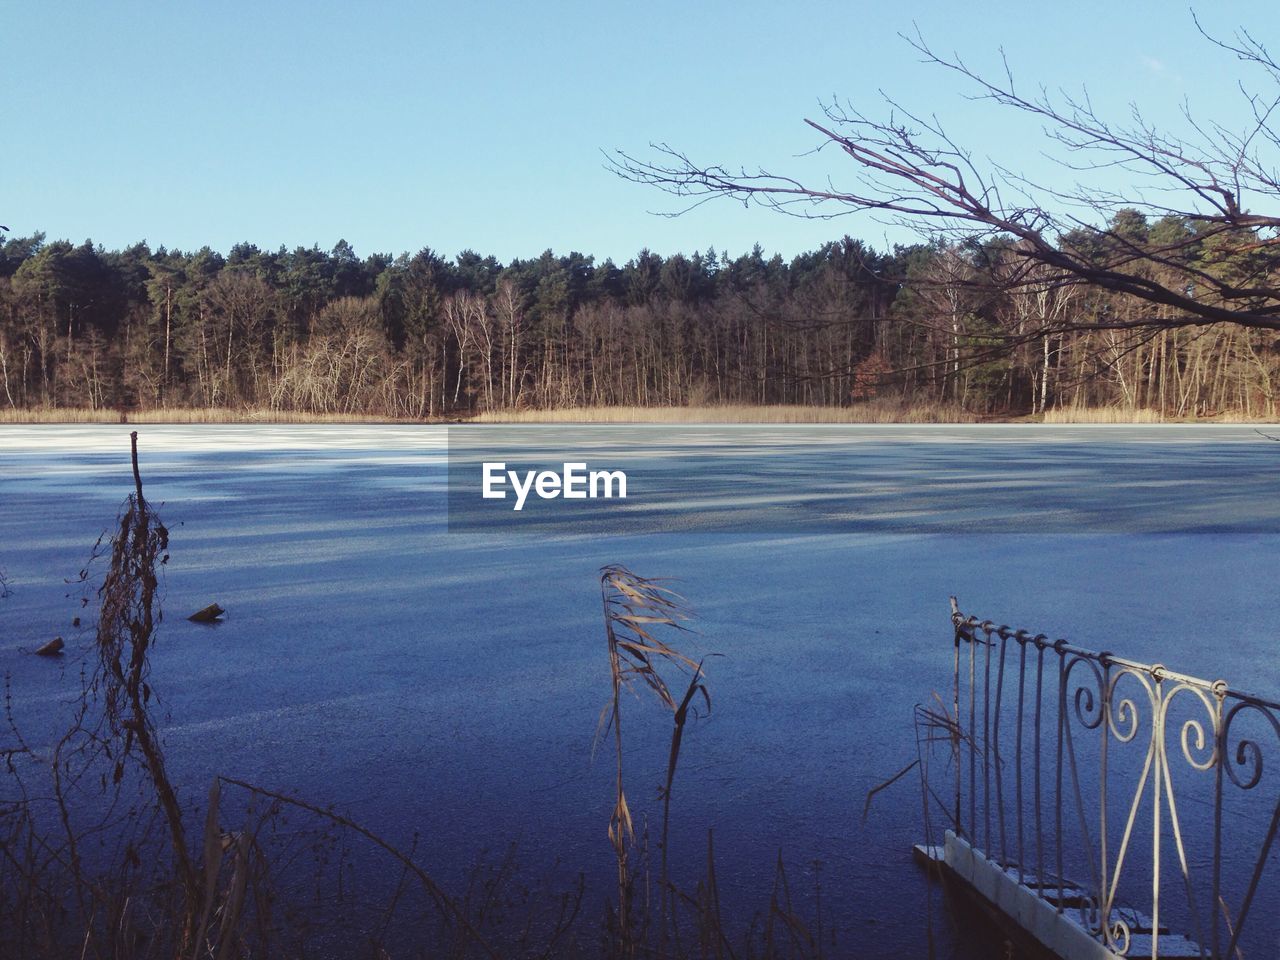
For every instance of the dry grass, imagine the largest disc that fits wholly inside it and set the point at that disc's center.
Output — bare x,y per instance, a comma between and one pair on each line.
1142,415
738,413
177,415
636,609
1235,417
159,894
126,628
874,412
1102,415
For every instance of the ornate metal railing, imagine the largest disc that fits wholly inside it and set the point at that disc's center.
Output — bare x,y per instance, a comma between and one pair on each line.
1066,778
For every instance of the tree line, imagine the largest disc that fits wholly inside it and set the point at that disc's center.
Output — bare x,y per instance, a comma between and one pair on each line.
421,336
1145,273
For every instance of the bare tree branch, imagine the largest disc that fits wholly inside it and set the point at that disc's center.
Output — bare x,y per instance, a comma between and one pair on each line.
1222,183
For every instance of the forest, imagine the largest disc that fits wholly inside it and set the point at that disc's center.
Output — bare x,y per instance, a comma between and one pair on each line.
306,331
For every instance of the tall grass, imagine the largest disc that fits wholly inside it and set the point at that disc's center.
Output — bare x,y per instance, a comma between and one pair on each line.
159,893
1140,415
635,610
875,412
127,623
878,411
1102,415
176,415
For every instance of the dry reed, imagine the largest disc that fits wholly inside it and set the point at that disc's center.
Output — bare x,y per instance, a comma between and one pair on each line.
876,412
635,610
1140,415
1102,415
177,415
872,412
153,897
127,622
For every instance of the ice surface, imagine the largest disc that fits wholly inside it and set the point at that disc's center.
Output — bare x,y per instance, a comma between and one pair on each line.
841,479
450,683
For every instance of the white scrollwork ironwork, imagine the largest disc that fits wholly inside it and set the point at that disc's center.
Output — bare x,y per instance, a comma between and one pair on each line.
1105,705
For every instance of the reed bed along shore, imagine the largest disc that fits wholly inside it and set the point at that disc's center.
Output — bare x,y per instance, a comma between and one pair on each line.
737,413
1103,415
857,413
874,412
177,415
1142,415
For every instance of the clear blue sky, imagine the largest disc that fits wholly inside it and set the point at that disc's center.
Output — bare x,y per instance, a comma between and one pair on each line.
479,125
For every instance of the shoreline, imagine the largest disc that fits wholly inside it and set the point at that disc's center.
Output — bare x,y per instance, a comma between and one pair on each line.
728,414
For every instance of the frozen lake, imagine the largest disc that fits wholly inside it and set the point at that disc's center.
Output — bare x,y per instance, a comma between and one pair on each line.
449,682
